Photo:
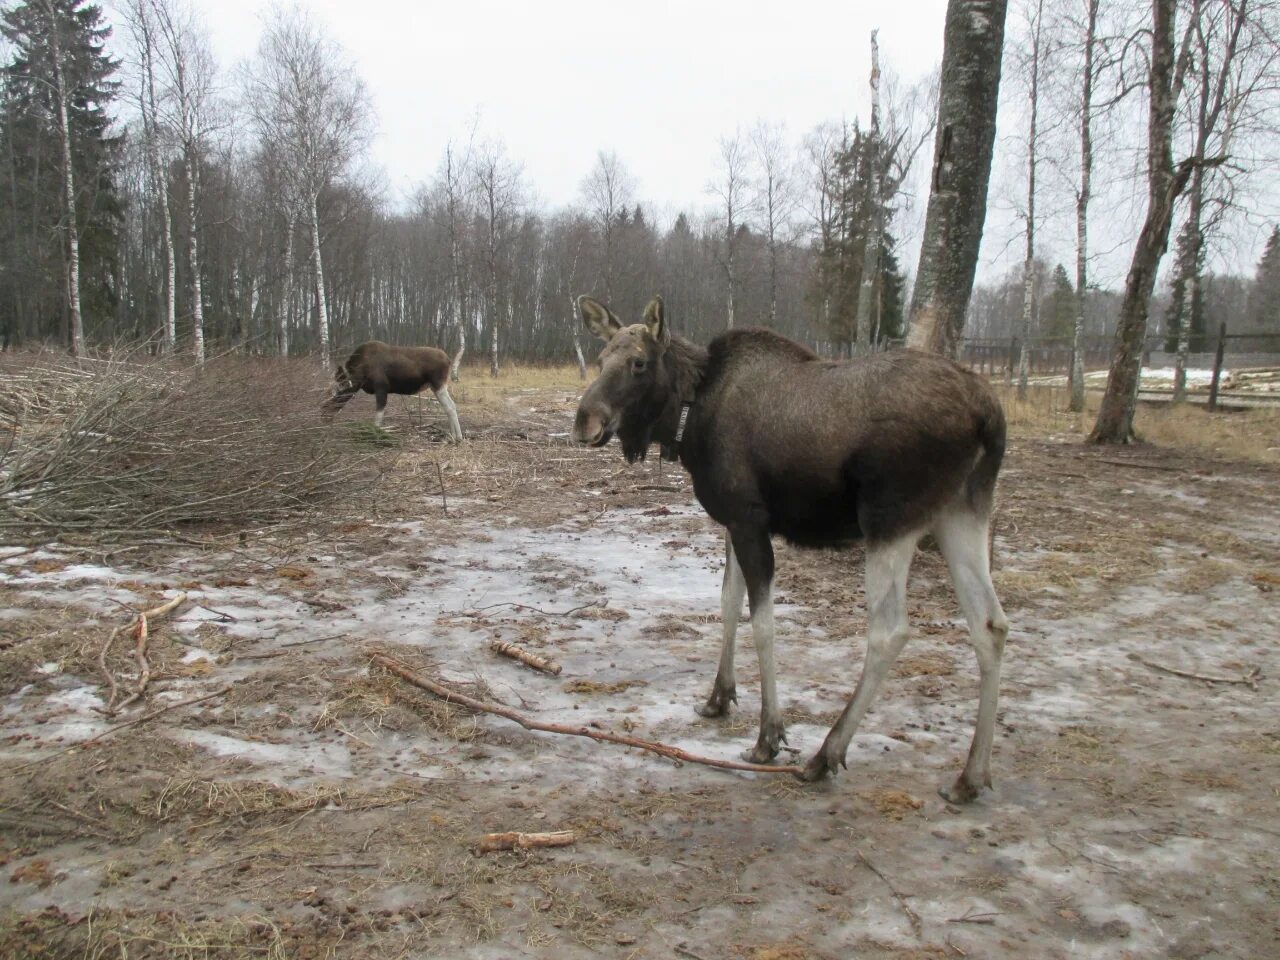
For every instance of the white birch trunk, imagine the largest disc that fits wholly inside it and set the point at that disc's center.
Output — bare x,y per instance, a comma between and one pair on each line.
322,306
1082,212
286,297
1028,278
193,260
69,192
169,310
871,249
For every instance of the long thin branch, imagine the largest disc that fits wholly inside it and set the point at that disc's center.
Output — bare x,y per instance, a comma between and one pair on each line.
662,749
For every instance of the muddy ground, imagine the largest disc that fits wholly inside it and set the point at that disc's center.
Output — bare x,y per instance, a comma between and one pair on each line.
317,807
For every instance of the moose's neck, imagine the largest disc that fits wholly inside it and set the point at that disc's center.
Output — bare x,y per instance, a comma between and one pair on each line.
685,365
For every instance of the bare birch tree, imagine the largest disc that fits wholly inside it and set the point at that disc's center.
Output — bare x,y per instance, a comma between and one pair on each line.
1083,196
730,187
775,198
62,94
142,26
1233,59
1035,37
499,195
969,93
1164,184
608,190
307,102
454,179
184,63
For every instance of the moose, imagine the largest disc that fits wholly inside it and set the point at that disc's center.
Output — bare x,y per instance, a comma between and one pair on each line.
381,369
881,449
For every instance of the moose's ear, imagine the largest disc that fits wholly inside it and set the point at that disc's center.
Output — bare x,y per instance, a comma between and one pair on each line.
598,318
655,318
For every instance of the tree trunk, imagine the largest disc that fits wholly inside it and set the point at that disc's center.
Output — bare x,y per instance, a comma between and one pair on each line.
286,294
322,305
193,259
69,192
1082,212
1190,284
1029,261
875,225
1164,184
973,41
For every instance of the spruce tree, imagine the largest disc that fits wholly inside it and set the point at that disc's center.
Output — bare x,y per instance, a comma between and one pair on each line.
35,294
1264,298
1057,313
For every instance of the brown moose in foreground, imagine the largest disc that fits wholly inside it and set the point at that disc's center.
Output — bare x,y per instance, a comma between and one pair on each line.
381,369
882,449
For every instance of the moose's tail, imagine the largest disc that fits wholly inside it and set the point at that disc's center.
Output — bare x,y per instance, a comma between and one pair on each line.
992,428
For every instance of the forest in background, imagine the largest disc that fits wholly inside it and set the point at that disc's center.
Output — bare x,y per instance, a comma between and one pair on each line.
219,205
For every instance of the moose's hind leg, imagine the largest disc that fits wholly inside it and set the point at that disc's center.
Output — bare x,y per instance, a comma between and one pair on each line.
962,536
733,588
887,567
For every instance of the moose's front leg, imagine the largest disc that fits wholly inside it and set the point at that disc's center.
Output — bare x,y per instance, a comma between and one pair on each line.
724,691
754,553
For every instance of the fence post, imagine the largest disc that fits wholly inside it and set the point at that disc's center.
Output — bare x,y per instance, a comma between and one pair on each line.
1217,367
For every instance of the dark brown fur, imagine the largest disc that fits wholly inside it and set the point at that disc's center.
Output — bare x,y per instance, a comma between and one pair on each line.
823,453
382,369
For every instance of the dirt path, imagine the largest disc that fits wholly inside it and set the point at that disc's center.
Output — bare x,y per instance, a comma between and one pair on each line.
321,809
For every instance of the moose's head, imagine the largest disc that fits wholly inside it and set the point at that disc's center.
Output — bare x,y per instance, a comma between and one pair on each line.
633,390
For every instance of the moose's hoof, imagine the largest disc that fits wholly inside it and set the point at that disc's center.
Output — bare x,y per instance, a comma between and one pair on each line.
717,704
772,736
825,763
962,791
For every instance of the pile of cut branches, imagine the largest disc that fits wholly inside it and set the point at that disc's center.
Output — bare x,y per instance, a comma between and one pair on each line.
134,445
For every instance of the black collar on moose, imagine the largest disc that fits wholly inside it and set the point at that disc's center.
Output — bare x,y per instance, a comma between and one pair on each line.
671,451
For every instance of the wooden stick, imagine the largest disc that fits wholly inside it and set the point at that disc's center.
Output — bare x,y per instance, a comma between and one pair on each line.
524,656
662,749
140,650
112,687
524,841
1249,680
902,901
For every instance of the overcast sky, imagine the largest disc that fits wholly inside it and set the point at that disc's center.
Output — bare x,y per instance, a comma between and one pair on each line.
659,83
559,80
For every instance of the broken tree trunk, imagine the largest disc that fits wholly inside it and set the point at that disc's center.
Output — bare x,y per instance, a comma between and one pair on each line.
514,840
524,656
662,749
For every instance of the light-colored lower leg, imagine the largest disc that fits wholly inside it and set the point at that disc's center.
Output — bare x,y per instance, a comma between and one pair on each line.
887,568
962,537
772,729
446,401
377,418
732,589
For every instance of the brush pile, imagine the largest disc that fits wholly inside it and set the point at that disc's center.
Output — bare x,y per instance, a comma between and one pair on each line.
118,448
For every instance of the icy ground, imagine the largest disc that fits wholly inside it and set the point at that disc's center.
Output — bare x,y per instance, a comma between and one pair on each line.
1134,813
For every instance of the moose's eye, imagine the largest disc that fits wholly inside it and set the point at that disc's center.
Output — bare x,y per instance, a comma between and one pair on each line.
639,365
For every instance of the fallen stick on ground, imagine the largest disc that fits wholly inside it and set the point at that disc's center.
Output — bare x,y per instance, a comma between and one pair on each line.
143,634
912,916
524,656
662,749
1249,680
524,841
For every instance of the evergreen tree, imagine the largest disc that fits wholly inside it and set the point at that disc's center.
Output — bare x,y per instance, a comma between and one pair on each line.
1183,268
34,295
889,314
1057,313
1264,298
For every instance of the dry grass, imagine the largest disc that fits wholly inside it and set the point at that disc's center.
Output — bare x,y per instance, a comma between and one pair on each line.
1244,435
134,446
238,798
